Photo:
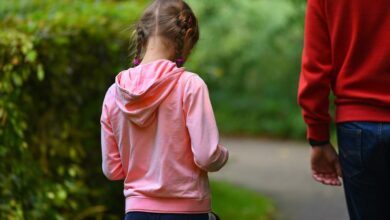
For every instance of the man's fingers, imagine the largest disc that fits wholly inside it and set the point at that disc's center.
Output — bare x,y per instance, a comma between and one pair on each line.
332,182
330,175
318,178
326,175
327,179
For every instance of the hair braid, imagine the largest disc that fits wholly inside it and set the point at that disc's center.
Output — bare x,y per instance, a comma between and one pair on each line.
183,24
140,41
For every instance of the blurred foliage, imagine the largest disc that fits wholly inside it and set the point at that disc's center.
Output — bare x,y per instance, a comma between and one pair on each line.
58,57
249,53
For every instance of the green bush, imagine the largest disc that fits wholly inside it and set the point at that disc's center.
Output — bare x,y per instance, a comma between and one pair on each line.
57,58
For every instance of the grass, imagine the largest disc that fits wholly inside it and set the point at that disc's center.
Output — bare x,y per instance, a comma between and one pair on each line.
233,202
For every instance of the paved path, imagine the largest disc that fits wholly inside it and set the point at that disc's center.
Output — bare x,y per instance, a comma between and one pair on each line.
281,170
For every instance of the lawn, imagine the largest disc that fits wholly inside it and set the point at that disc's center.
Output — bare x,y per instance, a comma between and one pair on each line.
232,202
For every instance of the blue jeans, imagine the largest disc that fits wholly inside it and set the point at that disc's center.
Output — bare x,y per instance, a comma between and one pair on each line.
364,151
158,216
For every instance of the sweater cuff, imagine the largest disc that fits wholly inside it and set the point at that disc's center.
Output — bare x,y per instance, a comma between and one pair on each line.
221,159
318,132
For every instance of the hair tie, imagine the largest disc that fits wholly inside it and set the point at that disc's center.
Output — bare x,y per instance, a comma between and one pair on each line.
179,62
136,61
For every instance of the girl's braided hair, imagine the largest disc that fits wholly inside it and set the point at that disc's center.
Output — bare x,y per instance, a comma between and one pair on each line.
170,19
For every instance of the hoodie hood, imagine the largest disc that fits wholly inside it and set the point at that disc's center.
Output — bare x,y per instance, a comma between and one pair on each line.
142,89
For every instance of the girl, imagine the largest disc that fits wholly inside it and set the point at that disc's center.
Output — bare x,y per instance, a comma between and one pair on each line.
158,129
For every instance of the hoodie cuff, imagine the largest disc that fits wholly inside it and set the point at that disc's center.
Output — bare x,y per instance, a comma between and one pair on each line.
318,132
220,160
225,154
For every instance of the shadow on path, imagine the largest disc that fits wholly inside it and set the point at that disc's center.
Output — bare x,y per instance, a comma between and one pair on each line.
281,170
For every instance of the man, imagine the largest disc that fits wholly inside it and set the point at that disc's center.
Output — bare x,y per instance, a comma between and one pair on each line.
347,51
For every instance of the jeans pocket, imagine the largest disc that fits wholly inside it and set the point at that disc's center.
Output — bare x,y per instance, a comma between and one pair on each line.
350,149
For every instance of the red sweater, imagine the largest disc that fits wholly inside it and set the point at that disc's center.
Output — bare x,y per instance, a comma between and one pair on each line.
346,50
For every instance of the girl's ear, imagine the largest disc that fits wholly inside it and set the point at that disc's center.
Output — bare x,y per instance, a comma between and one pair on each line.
188,34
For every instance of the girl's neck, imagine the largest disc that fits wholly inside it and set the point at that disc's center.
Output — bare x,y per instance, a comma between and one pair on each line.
157,49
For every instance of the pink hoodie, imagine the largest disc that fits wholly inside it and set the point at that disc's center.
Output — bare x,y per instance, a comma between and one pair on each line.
159,135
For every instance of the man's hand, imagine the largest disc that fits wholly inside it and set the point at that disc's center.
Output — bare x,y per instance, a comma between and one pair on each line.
325,165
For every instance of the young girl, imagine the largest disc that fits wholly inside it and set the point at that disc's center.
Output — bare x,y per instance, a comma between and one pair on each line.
158,129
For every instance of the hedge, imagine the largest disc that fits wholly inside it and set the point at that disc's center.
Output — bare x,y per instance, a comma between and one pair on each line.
57,58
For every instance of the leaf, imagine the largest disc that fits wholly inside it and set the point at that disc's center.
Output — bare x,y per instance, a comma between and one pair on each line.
62,194
50,195
40,72
31,56
3,151
17,79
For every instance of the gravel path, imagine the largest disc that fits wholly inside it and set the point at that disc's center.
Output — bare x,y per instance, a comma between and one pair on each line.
281,170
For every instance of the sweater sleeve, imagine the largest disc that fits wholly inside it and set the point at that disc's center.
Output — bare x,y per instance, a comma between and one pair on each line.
314,84
111,159
200,121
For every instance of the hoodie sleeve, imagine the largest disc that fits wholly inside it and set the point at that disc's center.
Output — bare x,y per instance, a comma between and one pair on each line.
200,121
112,163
